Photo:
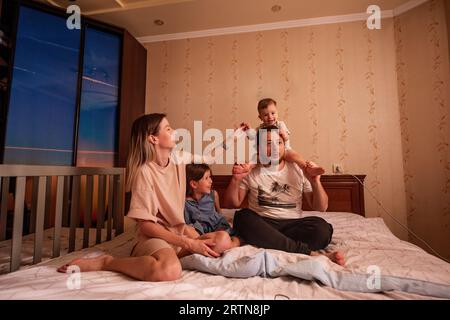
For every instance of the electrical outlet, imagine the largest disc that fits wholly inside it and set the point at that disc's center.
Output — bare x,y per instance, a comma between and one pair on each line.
338,168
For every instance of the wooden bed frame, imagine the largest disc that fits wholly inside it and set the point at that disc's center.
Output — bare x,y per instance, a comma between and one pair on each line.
345,193
70,191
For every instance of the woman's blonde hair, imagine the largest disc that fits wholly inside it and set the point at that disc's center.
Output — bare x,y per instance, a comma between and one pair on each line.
141,150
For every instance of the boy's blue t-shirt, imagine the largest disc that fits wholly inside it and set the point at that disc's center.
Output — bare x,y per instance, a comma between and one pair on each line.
202,215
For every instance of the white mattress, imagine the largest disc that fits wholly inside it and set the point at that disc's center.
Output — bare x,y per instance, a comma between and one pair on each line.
47,246
364,242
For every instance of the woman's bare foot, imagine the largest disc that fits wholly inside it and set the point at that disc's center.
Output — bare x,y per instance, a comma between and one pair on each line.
88,264
336,256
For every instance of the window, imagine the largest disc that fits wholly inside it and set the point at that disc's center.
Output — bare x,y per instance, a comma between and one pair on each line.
97,138
57,116
41,113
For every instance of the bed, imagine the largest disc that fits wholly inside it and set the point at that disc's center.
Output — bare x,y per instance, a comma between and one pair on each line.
365,241
27,251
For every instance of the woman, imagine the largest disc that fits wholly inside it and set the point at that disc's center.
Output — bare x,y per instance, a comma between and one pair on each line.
156,179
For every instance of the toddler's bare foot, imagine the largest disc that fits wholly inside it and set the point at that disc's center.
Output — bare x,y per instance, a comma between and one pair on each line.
314,170
90,264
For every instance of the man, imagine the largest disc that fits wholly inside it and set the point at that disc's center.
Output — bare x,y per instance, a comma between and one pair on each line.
275,193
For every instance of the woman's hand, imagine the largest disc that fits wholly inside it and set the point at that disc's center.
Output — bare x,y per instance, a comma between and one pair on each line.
202,247
190,232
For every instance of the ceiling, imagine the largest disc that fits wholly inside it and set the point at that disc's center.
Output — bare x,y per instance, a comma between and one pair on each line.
138,16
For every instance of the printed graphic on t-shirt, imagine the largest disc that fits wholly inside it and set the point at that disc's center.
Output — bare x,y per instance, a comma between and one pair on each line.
276,196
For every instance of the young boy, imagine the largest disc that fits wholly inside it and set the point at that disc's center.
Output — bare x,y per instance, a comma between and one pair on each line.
268,114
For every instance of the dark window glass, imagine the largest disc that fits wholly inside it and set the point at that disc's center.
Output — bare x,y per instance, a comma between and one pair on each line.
41,113
97,136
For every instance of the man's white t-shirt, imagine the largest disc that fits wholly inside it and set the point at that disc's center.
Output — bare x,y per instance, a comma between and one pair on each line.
276,194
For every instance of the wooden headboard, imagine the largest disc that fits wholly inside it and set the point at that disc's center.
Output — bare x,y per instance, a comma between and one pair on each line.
345,193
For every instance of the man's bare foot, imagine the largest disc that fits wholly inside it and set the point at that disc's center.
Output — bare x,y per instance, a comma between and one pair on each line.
88,264
315,171
336,256
235,242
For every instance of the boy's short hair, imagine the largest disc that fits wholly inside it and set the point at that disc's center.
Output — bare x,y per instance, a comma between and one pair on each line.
264,103
195,172
267,129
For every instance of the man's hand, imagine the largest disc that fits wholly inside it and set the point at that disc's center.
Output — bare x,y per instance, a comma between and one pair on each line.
240,171
312,179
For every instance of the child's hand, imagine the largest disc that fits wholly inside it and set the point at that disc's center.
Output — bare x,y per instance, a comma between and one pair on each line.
245,126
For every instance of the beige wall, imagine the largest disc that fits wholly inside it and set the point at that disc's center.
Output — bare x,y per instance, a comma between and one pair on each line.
336,87
447,15
423,85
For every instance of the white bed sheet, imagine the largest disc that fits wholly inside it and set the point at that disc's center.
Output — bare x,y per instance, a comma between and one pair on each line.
27,251
364,241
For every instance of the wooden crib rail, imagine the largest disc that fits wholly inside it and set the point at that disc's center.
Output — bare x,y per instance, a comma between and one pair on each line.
68,193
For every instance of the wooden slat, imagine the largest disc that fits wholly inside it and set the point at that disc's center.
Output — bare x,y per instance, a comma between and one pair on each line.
100,207
110,207
34,198
66,202
4,208
58,216
48,202
16,247
74,212
115,203
118,214
121,204
88,210
1,205
40,217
